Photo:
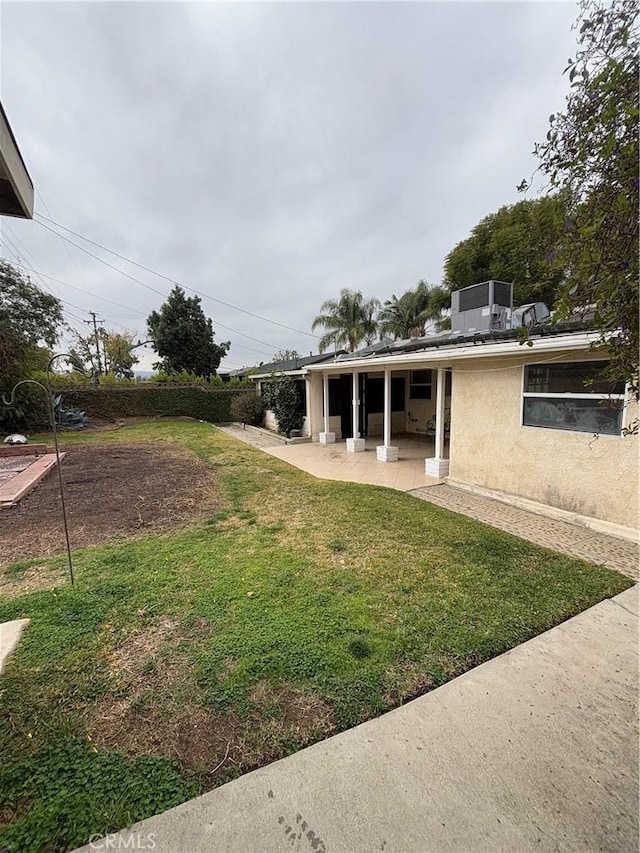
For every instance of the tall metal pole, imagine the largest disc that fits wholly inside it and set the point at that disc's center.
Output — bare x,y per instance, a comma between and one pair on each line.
55,444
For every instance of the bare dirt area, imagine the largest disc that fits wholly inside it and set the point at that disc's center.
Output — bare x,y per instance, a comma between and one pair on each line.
112,493
151,708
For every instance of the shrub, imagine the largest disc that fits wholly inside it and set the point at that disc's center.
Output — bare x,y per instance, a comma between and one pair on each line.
248,408
29,413
148,400
283,398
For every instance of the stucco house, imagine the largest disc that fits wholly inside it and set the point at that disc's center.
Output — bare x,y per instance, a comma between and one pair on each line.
531,424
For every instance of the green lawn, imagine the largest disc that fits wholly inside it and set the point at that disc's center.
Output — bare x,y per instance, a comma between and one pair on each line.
303,607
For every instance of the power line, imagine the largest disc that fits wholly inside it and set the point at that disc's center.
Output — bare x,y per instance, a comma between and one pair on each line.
161,275
142,313
73,260
40,275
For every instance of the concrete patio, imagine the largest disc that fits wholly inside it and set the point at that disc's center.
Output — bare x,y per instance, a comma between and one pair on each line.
334,462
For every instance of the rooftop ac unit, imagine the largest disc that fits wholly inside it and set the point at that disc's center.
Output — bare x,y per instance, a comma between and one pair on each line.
482,307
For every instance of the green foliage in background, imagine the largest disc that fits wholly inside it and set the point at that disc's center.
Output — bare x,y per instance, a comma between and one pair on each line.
183,337
516,244
591,154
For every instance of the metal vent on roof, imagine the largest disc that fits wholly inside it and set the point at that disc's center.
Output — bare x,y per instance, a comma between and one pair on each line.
474,297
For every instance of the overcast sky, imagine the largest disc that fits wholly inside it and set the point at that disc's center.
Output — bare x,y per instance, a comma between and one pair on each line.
270,154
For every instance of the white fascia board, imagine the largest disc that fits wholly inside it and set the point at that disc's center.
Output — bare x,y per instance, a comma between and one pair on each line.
13,170
451,353
278,373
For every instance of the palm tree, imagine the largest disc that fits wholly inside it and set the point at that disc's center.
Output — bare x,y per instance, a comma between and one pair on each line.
348,321
417,308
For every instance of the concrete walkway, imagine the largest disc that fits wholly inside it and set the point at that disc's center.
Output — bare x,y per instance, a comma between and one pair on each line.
618,554
536,750
255,437
10,633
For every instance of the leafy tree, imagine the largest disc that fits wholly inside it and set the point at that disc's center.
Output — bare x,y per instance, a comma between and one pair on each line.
183,337
516,244
283,398
117,354
29,320
349,320
591,154
417,308
285,355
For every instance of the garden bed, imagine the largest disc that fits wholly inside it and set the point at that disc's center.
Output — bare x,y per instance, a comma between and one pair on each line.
113,492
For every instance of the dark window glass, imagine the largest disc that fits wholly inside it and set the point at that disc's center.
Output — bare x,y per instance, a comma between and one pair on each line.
335,407
301,385
579,377
420,387
447,384
397,394
374,395
597,416
420,392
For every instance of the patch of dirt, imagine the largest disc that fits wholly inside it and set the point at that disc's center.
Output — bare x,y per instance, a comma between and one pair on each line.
153,709
33,579
112,492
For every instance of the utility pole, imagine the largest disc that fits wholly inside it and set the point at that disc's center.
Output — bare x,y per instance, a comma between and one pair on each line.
95,332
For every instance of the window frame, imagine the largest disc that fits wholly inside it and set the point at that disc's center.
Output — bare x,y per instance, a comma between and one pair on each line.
571,395
421,385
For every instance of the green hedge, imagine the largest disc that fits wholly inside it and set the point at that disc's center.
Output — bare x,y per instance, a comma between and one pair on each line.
113,402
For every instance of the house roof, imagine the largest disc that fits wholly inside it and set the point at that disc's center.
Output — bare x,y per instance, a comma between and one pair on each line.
572,334
291,365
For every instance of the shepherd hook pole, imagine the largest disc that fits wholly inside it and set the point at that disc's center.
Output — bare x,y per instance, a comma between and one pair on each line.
52,418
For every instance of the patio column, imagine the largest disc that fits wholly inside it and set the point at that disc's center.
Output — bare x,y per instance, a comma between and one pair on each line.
438,466
385,452
355,444
326,437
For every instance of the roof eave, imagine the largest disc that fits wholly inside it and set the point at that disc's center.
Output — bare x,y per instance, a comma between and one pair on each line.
16,187
455,352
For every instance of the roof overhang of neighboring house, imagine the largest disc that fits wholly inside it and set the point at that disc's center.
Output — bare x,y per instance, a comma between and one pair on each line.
293,367
447,352
16,187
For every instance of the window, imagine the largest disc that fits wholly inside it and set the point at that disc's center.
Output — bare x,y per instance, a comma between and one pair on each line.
420,386
572,396
397,394
301,385
374,395
335,401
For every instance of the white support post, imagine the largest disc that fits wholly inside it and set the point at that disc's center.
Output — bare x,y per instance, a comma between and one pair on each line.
385,452
326,437
438,466
355,444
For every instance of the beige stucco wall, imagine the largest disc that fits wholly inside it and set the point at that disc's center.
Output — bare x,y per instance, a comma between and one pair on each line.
593,477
